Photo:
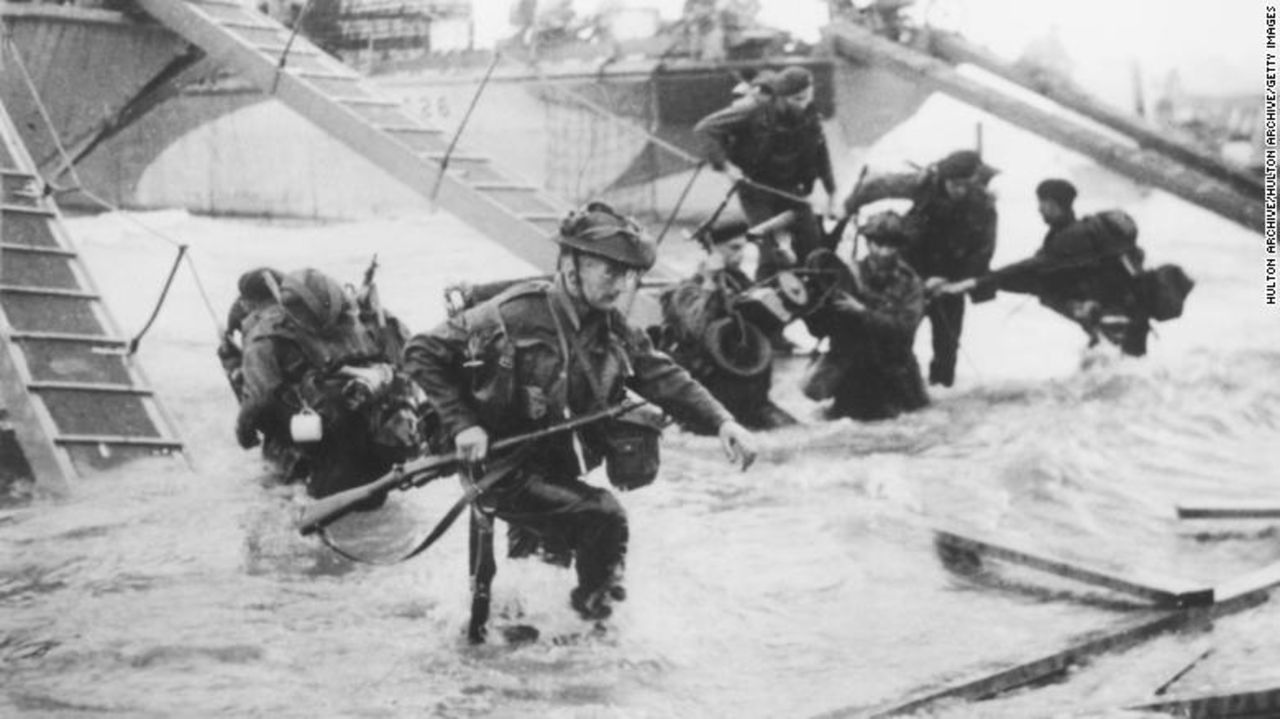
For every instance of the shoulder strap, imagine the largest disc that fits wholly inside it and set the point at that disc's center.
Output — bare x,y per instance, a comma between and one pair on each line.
578,350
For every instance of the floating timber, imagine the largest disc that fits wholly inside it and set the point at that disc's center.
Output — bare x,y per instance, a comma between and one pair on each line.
76,400
862,46
1161,590
1237,595
1230,510
1255,702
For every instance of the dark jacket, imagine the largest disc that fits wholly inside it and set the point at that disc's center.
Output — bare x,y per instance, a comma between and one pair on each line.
954,239
1093,258
871,364
503,366
771,147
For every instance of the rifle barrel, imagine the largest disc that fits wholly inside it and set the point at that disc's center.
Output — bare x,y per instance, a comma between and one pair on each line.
328,509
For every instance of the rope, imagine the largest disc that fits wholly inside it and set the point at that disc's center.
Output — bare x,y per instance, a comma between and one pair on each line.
164,293
671,218
288,46
462,125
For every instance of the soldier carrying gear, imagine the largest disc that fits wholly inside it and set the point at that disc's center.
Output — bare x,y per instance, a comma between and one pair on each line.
776,140
294,349
951,229
1090,271
541,352
705,330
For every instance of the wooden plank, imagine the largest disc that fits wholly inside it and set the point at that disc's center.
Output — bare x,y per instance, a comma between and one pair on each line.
1255,702
40,386
1237,595
68,337
1244,509
988,685
1163,590
1248,587
956,49
358,128
159,442
864,46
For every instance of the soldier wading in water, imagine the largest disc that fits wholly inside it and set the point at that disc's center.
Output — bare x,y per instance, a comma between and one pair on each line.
541,352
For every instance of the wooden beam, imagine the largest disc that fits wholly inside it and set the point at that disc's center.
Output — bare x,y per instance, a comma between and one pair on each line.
956,49
1259,702
863,46
1162,590
1230,510
1237,595
1138,630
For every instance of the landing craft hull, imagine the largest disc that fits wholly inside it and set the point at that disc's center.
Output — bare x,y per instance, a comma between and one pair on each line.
224,148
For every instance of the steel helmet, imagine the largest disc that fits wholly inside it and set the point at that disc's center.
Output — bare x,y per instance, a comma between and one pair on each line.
598,230
885,228
313,298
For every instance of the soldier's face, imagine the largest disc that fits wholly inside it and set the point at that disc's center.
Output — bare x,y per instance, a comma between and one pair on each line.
881,254
957,189
799,101
733,251
602,282
1051,212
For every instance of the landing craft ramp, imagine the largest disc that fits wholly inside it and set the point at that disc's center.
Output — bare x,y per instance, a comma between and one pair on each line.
75,401
1149,165
516,215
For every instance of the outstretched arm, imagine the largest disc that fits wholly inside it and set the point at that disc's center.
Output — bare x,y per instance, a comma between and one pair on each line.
902,185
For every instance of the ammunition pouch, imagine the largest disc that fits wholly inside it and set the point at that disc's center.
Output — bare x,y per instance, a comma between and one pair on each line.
630,444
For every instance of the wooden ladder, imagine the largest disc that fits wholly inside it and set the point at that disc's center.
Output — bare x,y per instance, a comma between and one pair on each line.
520,217
75,400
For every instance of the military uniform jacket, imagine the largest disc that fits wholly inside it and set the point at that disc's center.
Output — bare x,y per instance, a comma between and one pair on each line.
894,299
504,366
1084,259
954,239
770,147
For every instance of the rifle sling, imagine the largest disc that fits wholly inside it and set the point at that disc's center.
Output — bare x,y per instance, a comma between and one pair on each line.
490,478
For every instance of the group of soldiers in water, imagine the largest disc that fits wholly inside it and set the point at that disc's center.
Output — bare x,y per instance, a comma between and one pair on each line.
338,391
917,265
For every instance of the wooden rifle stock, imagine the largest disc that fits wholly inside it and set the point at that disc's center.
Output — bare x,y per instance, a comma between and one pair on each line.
418,472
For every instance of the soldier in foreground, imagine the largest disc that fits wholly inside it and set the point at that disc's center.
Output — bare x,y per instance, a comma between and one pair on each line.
541,352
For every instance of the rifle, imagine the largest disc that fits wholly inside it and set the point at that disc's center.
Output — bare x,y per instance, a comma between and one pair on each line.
700,234
370,292
418,472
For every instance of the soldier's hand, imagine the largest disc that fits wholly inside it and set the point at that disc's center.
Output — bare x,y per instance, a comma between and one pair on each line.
739,444
848,303
950,288
472,444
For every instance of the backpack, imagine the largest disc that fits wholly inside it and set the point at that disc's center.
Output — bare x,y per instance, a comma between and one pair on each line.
1164,290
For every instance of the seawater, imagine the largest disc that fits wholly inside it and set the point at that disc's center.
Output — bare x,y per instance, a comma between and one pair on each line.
806,585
